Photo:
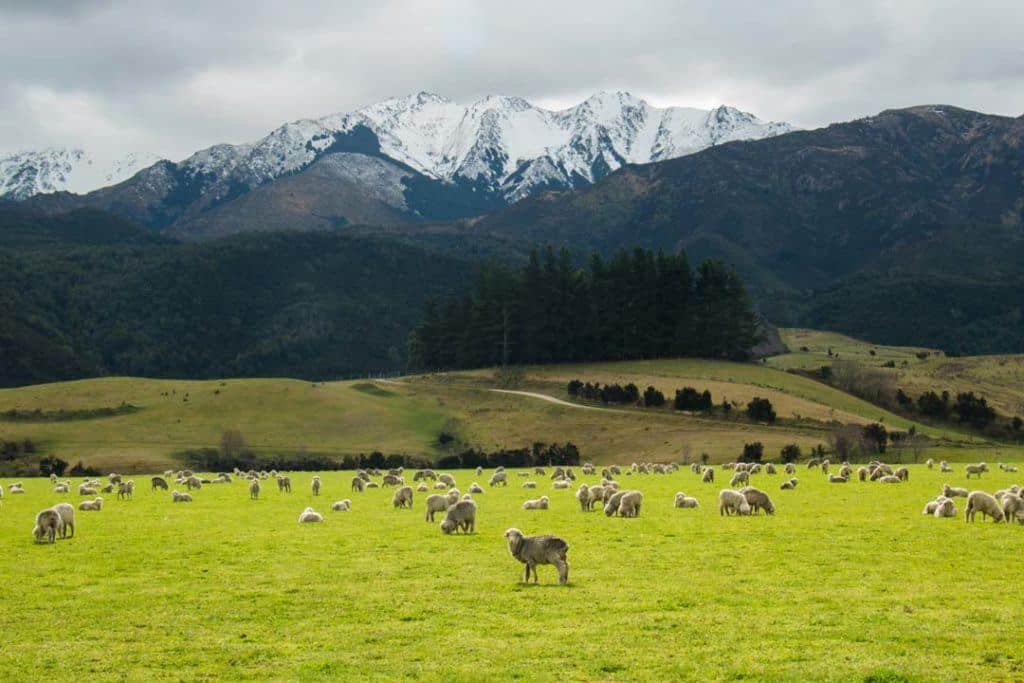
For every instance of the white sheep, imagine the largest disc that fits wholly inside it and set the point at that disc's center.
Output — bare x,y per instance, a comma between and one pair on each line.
529,484
341,505
953,491
537,550
976,470
315,485
945,508
944,467
84,490
180,497
309,516
789,485
561,484
91,505
460,516
254,489
475,488
59,488
536,504
741,477
629,504
402,497
986,504
684,501
48,524
732,502
437,503
1013,508
499,477
67,518
709,476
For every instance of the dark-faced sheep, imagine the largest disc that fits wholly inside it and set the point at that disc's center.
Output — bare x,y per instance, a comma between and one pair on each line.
986,504
536,550
402,497
158,483
358,484
47,526
709,476
460,517
758,500
315,485
254,489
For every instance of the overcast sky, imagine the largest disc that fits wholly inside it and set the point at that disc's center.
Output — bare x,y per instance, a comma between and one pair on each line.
173,77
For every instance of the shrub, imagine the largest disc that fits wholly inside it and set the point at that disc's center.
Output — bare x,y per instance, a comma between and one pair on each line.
51,464
875,437
690,399
653,398
761,410
790,453
752,452
575,387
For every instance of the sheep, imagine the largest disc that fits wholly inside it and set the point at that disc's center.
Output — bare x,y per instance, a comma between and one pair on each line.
341,505
114,478
629,504
946,508
953,491
788,485
845,471
583,496
837,479
67,518
769,468
402,497
394,480
1013,508
309,516
536,504
371,485
424,474
976,470
254,489
537,550
109,488
741,477
440,485
862,473
436,503
611,506
758,500
824,466
180,497
903,473
498,478
730,502
790,468
615,469
684,501
315,485
475,488
479,470
986,504
930,463
932,505
48,523
59,488
890,479
561,484
125,490
193,482
709,476
944,467
529,484
284,484
91,505
158,483
84,490
460,516
422,488
447,478
589,469
358,484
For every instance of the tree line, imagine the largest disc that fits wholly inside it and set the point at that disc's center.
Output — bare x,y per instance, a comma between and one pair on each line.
634,305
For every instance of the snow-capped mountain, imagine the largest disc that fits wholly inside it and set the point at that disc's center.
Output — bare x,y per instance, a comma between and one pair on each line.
56,169
432,159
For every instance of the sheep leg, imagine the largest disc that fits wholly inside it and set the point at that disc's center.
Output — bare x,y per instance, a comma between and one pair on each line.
526,578
563,571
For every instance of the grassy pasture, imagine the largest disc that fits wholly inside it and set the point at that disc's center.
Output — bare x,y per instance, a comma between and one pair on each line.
845,582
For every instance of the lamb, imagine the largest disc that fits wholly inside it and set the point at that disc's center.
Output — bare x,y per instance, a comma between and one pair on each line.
284,484
309,516
498,478
986,504
758,500
91,505
730,502
946,508
341,505
740,478
437,503
48,523
583,496
709,476
1013,508
529,484
125,490
315,485
402,497
789,485
537,550
976,470
358,484
952,491
536,504
629,504
67,518
158,483
837,479
254,490
684,501
460,516
180,497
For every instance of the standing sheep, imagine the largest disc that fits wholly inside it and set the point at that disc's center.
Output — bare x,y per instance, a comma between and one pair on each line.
436,503
976,470
158,483
498,478
125,490
629,504
460,516
315,485
284,484
254,489
536,504
358,484
732,502
67,518
611,506
1013,508
862,473
986,504
741,477
790,468
709,476
758,500
537,550
403,497
47,525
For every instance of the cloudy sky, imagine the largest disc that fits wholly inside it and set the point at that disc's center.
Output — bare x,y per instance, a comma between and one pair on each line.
172,77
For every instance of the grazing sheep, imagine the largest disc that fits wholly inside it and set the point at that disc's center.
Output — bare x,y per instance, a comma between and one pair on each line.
611,504
758,500
769,468
395,480
402,497
48,523
315,485
341,505
684,501
953,491
629,504
114,478
536,504
193,482
83,490
986,504
158,483
479,470
561,484
583,496
460,516
180,497
946,508
588,469
437,503
709,476
309,515
125,490
254,489
529,484
284,484
67,518
537,550
371,485
498,478
1013,508
447,478
790,468
903,473
732,502
789,485
91,505
862,473
422,488
741,477
976,470
837,479
358,484
109,488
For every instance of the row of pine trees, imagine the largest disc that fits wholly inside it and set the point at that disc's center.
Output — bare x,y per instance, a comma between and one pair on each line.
635,305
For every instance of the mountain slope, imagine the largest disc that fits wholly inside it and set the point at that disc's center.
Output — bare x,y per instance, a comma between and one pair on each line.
442,160
58,169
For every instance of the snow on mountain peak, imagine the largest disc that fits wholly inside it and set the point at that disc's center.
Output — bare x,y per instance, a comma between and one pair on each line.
55,169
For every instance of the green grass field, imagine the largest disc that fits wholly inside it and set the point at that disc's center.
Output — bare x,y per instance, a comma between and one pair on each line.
844,582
